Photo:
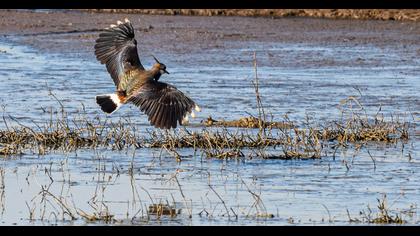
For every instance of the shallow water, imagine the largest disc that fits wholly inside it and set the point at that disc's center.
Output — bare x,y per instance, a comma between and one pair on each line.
295,191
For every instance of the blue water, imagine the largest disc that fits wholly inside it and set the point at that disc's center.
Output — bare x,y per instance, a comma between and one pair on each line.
126,182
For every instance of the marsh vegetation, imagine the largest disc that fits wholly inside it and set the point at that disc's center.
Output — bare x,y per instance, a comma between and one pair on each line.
247,138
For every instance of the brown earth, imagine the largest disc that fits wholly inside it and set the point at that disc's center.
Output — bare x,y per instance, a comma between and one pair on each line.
372,14
182,36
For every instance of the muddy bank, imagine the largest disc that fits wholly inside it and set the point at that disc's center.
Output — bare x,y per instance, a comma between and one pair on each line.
76,31
334,53
364,14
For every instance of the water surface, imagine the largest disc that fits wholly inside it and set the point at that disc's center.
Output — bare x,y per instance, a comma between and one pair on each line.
126,182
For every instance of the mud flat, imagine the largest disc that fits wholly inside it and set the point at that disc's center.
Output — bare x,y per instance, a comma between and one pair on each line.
364,14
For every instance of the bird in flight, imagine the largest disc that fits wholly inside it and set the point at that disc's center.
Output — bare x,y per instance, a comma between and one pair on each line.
164,104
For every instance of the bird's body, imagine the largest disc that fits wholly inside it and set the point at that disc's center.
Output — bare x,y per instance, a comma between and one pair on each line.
164,104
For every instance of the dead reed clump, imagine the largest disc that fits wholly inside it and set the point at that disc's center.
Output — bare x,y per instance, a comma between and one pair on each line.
383,216
246,122
161,209
206,139
61,132
225,144
357,126
223,154
299,144
104,216
21,138
69,134
359,130
288,155
10,149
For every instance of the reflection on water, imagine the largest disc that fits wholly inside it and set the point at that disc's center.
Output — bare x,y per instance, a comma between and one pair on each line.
46,189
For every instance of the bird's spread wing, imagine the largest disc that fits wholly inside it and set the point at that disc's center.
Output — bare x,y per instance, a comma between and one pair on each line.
164,104
117,49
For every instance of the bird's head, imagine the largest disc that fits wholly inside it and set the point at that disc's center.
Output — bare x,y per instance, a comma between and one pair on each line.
160,66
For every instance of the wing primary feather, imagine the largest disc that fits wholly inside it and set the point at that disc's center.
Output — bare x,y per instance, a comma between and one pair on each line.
115,47
164,105
171,116
153,109
155,113
175,114
168,116
162,116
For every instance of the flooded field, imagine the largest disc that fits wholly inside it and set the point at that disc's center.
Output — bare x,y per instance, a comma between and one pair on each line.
306,69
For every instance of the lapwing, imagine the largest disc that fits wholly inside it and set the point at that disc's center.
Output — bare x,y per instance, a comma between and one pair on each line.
164,104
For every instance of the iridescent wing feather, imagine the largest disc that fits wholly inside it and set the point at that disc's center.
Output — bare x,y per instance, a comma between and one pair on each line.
117,49
164,104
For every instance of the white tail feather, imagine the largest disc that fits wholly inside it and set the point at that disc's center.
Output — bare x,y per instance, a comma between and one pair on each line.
116,100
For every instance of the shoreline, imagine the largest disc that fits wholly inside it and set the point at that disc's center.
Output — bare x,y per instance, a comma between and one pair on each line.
359,14
76,30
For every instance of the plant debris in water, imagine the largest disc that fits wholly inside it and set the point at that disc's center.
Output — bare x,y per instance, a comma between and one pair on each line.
162,210
246,122
383,216
63,133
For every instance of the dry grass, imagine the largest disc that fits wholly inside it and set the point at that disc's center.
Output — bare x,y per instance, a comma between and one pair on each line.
246,122
161,209
65,134
356,125
308,141
384,214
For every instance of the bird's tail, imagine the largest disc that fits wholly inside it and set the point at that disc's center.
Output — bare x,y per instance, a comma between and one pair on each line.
109,102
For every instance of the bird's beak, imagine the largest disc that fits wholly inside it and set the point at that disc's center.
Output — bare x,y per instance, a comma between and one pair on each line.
165,71
155,59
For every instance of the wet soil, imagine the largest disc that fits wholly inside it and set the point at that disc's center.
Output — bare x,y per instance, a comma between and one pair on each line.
183,35
366,14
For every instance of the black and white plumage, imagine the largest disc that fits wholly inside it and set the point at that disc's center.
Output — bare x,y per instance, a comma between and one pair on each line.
164,104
